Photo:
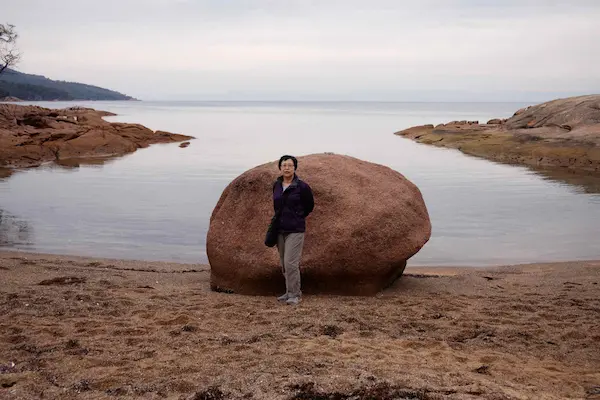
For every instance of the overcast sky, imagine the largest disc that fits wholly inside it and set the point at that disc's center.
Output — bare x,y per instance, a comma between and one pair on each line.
445,50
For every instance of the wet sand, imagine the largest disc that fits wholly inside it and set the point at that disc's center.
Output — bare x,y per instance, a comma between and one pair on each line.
106,329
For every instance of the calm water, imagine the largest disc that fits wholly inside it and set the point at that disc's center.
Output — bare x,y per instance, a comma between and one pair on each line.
156,203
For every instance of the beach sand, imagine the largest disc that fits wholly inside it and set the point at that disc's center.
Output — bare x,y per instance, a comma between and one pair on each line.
104,329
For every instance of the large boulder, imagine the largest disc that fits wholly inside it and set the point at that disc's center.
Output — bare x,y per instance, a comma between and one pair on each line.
368,220
574,112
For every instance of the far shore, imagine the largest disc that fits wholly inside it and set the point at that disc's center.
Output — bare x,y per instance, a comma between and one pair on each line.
87,328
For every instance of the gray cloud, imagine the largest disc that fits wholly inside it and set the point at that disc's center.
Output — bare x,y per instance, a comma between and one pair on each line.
330,50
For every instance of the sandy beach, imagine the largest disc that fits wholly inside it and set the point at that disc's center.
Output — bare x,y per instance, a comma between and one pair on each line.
84,328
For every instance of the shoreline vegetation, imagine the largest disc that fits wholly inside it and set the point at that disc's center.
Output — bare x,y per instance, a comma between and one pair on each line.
80,327
19,86
559,139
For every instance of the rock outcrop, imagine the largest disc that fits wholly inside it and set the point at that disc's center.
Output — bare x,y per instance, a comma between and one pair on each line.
368,221
31,135
560,133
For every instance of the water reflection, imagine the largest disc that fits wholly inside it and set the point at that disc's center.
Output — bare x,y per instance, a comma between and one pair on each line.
72,163
5,173
67,164
14,232
587,182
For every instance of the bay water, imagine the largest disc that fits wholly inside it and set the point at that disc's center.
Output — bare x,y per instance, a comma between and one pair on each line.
155,204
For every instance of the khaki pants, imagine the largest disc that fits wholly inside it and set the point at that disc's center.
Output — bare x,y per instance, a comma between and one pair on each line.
290,251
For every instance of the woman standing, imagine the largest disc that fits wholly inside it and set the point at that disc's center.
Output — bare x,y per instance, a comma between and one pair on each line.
293,200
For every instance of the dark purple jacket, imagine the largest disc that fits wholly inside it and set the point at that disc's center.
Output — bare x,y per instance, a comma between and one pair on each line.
297,203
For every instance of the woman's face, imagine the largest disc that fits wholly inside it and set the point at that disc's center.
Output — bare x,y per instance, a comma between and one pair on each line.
287,168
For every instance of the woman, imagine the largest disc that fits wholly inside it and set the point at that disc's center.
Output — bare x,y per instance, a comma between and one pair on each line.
293,200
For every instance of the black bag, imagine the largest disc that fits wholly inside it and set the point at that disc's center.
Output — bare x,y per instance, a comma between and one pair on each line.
272,231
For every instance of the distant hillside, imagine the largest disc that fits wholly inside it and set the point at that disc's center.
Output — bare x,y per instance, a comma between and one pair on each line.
37,87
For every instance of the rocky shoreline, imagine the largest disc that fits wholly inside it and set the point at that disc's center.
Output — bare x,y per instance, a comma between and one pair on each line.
563,133
31,136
